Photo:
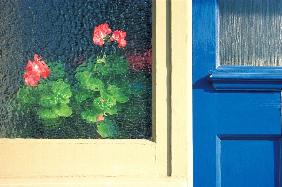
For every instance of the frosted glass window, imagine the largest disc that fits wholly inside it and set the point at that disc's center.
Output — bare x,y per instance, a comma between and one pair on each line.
75,69
250,32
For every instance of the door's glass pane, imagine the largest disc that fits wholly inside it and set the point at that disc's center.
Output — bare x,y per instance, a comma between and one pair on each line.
250,32
75,68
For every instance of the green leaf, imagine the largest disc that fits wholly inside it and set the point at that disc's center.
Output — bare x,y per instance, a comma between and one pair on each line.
82,95
90,116
63,110
119,94
107,129
111,65
24,96
48,101
62,91
82,67
46,114
57,70
83,76
119,65
61,88
88,82
64,100
102,69
43,86
95,84
111,111
104,103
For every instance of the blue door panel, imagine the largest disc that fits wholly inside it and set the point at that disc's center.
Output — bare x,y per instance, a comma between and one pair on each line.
247,112
221,114
236,134
204,160
248,163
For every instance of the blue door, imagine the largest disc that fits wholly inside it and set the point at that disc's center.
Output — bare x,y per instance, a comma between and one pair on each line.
237,82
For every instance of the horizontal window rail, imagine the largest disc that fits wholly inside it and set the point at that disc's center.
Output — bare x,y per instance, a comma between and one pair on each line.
247,78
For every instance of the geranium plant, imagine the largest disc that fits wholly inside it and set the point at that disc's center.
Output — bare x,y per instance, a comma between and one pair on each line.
45,90
99,90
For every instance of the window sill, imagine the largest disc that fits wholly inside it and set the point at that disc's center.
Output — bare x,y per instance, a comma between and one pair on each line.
95,181
25,158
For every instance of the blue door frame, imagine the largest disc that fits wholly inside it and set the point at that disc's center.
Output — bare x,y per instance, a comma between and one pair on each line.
236,114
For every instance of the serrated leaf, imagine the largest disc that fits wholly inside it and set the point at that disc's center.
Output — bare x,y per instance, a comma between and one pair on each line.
57,70
46,114
119,65
107,129
61,91
82,95
48,101
94,84
90,116
43,86
61,88
104,103
63,110
102,69
119,94
24,96
111,111
82,67
64,100
82,76
88,82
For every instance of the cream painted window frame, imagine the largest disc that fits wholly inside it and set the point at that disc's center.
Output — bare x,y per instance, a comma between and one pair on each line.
162,162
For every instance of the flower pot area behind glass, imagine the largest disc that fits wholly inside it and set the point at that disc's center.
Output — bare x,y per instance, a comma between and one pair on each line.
75,69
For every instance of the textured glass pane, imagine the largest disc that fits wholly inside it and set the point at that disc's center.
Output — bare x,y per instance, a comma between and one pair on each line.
75,68
250,32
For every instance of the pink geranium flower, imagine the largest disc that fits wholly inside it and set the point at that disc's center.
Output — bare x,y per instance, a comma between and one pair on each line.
100,33
31,78
119,37
34,70
43,68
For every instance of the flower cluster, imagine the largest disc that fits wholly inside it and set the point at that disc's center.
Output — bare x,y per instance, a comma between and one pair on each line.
141,61
119,37
102,33
35,70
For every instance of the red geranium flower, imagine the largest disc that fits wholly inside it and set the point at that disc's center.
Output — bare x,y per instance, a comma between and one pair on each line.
43,68
34,70
31,78
119,36
100,33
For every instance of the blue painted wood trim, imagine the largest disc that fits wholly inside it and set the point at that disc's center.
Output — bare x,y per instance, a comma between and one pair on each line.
247,78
